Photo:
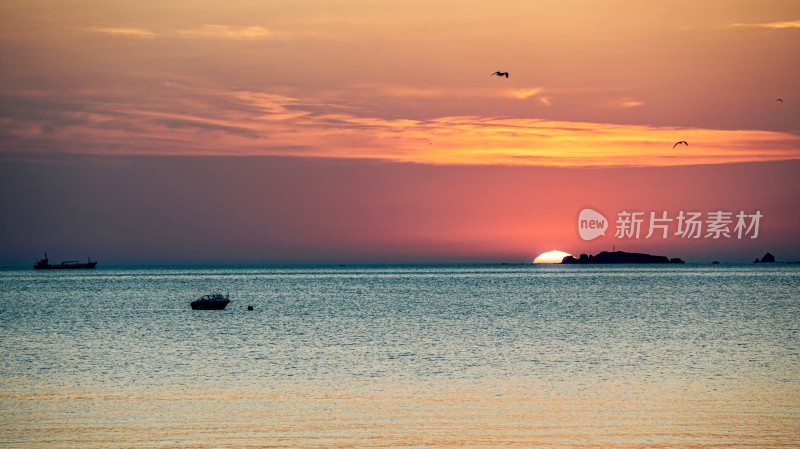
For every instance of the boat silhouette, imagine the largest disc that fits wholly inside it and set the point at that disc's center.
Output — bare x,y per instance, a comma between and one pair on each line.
214,301
44,264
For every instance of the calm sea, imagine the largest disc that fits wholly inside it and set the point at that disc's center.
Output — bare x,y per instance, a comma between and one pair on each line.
694,356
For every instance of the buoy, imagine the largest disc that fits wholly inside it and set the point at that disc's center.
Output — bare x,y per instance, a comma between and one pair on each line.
249,307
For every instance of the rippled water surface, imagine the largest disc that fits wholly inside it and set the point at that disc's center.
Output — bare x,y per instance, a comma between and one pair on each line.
446,356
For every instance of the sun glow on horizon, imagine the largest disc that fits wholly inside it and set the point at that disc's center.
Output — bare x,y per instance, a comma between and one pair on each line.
553,256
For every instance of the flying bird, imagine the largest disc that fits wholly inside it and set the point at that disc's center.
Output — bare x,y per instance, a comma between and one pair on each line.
779,100
500,74
681,142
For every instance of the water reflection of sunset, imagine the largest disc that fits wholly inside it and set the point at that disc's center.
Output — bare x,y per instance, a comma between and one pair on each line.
518,412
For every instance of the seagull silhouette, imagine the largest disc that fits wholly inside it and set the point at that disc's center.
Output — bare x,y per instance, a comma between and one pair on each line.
681,142
500,74
779,100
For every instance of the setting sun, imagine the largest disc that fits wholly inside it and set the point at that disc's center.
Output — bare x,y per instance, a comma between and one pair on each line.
554,256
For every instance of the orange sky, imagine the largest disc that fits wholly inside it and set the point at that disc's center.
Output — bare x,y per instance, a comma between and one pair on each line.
592,84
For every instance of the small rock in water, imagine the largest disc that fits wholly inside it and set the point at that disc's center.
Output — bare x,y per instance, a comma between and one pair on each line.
249,307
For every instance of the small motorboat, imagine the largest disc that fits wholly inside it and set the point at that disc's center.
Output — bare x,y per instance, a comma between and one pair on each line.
214,301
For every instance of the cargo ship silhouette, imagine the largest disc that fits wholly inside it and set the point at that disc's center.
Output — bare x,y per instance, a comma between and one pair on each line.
44,264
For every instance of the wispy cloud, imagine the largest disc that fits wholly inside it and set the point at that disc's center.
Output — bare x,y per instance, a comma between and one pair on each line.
778,25
208,31
523,94
624,103
402,91
192,121
141,33
418,92
211,31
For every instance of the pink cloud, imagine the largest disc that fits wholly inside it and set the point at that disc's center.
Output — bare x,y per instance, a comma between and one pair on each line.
186,120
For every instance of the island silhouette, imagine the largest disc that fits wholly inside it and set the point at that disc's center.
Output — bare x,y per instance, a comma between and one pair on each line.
618,257
768,258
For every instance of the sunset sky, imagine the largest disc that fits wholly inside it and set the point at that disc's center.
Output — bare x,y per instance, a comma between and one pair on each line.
253,131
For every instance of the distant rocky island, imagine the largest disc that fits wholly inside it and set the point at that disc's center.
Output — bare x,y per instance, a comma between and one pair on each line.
619,257
768,258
